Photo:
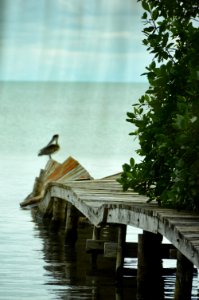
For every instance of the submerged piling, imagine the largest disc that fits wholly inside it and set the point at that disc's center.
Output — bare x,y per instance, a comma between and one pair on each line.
95,237
120,252
72,216
58,218
149,274
184,277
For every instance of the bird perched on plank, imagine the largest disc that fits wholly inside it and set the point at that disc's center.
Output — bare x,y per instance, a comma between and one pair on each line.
51,148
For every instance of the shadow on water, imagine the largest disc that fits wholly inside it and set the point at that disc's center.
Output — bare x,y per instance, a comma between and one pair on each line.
69,269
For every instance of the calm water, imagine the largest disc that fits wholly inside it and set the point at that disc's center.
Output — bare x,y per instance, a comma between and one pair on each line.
90,119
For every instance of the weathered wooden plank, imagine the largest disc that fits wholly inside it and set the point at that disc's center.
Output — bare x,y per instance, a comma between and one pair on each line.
131,199
188,228
96,245
51,166
194,242
104,195
172,215
113,177
45,203
35,196
184,223
93,184
110,249
184,245
111,201
66,168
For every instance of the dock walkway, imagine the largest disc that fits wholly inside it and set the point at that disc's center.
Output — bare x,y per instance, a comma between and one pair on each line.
103,201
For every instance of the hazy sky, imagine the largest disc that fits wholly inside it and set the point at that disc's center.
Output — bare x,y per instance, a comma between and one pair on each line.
71,40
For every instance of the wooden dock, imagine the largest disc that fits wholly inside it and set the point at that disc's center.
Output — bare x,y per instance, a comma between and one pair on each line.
63,194
103,201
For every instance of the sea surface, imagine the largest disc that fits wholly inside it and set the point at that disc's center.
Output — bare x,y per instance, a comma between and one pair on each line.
91,121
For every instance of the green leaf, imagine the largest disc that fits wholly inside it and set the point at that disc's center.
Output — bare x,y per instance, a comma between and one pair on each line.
131,115
145,5
155,14
152,65
180,122
126,168
149,29
144,16
132,162
145,42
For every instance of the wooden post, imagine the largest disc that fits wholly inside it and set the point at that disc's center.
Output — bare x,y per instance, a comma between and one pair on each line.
96,233
149,279
120,252
94,255
184,277
72,216
119,293
59,212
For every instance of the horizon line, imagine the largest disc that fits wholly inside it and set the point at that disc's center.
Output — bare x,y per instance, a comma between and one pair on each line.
69,81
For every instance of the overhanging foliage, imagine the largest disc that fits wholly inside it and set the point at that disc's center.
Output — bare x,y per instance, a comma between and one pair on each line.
166,118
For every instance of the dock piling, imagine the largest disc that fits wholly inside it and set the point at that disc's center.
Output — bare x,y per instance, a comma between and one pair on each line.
95,237
149,279
58,218
72,216
184,277
96,233
120,251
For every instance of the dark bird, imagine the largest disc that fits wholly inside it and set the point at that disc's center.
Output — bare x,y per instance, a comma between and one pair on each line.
51,148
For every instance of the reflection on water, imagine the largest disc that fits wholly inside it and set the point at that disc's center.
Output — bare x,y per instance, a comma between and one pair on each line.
70,272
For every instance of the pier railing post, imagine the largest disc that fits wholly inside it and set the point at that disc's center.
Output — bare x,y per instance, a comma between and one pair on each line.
72,216
184,277
149,279
120,251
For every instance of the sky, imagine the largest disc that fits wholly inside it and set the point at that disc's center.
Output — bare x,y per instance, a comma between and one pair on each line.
72,40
